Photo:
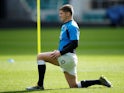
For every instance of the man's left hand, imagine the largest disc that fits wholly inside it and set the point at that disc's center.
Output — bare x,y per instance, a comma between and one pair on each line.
55,54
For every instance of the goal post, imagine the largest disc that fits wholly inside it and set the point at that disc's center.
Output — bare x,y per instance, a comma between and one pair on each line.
38,28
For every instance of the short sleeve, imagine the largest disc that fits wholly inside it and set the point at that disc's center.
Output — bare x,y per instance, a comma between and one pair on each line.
73,32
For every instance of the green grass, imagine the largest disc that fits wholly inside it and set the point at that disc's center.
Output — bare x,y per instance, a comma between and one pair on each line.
100,52
18,41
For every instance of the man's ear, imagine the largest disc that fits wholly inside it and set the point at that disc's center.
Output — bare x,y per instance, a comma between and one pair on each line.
68,14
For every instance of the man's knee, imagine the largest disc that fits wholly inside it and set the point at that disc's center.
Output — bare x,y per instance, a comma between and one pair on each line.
40,56
40,60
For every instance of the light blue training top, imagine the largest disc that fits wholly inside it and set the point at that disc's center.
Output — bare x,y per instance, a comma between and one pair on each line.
69,32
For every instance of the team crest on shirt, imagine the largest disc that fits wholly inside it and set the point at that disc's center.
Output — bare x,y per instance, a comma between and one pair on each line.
63,62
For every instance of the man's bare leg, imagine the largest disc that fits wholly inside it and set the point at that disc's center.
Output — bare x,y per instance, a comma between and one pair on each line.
46,56
41,59
71,79
73,82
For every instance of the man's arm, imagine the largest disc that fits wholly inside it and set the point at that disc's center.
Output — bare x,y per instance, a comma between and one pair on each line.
70,47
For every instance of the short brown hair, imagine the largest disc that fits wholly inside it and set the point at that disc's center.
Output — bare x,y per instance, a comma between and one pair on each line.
67,8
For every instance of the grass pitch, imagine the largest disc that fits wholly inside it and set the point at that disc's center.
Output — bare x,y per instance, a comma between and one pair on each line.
100,52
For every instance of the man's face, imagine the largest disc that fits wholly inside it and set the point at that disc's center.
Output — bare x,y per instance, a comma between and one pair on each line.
63,16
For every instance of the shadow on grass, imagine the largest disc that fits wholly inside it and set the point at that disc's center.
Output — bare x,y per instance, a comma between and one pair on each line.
20,91
24,91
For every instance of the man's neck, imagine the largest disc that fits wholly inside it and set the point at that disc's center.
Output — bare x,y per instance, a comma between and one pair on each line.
68,20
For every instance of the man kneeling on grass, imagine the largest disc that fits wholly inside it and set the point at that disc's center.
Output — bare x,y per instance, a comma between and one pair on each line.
65,56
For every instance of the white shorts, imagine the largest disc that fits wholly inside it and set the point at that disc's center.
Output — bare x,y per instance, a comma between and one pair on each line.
68,63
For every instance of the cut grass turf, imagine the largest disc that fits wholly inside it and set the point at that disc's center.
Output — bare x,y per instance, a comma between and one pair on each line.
100,52
15,77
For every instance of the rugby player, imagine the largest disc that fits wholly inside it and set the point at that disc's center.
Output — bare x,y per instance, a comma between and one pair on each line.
65,55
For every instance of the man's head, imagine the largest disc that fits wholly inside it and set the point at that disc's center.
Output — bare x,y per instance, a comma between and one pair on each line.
66,12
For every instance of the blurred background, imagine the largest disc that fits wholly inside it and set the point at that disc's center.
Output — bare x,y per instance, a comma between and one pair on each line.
89,14
22,13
